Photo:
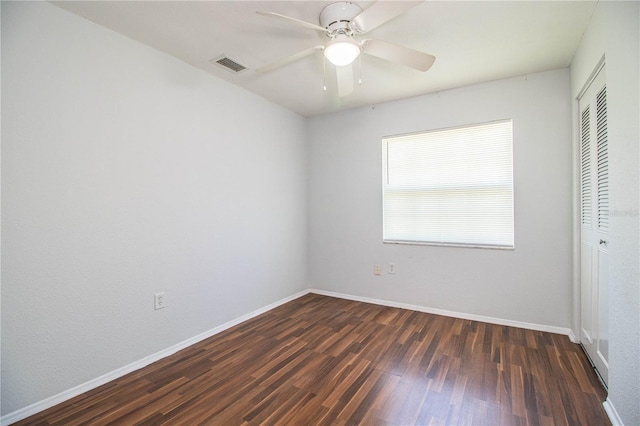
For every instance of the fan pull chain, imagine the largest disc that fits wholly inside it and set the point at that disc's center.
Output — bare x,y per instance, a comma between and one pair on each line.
360,69
324,73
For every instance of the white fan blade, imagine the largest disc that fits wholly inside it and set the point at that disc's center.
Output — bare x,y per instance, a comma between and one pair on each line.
399,54
284,61
379,13
293,21
344,76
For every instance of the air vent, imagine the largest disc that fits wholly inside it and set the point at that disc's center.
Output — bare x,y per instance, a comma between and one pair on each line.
228,64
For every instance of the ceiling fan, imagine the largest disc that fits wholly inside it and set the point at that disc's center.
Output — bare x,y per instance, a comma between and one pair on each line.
341,22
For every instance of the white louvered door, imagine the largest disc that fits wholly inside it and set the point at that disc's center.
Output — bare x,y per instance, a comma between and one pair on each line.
594,256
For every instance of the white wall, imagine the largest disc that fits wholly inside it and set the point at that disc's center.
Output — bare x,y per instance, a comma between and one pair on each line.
530,284
126,172
613,32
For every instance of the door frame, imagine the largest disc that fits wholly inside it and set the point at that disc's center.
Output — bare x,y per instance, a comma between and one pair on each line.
577,207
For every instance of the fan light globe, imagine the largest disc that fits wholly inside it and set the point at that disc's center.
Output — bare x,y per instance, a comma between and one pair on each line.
342,50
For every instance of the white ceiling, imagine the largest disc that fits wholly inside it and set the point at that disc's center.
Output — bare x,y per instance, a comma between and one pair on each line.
473,41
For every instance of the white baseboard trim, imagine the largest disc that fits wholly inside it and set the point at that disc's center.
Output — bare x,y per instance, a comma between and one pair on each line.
499,321
573,337
37,407
612,413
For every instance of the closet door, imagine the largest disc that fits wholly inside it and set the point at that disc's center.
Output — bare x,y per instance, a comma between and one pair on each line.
594,187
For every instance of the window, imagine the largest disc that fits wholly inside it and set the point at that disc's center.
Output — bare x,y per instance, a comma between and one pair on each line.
450,186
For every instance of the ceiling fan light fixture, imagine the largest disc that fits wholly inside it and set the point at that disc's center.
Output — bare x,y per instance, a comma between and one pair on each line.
342,50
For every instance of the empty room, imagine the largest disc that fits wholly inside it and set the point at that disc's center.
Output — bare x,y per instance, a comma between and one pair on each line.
320,212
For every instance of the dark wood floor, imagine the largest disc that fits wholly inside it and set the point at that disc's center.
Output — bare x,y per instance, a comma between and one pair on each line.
321,360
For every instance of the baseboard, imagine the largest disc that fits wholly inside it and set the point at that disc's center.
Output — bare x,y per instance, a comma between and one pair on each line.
499,321
612,413
37,407
573,337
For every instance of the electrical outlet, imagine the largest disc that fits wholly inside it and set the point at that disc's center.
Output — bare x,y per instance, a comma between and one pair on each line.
158,301
377,269
392,268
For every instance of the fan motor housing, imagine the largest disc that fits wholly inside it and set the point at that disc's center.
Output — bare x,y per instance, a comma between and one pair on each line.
336,17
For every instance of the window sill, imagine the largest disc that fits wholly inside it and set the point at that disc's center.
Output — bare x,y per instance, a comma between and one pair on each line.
474,246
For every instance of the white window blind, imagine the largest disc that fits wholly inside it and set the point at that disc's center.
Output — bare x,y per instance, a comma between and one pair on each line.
450,187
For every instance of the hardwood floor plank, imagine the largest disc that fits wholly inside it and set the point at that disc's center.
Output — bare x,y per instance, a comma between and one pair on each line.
435,408
403,405
319,360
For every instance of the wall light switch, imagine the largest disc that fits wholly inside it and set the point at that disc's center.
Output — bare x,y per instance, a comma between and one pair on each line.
392,268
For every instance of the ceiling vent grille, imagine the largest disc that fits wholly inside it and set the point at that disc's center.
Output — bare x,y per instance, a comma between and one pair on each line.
228,64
